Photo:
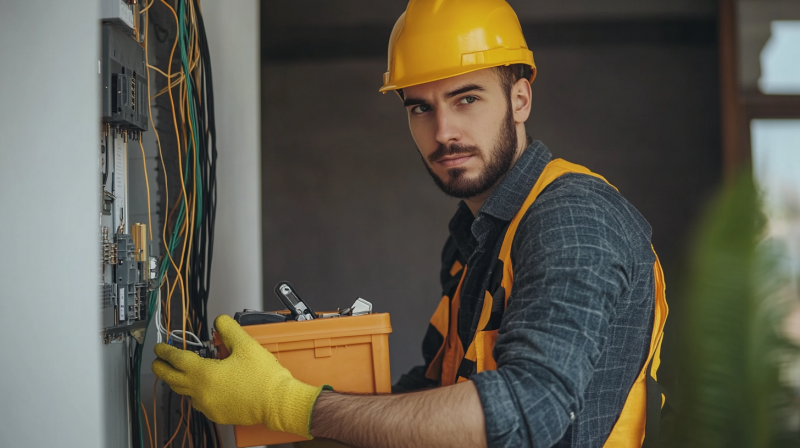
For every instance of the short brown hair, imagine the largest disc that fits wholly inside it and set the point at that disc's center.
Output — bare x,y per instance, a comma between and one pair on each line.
510,74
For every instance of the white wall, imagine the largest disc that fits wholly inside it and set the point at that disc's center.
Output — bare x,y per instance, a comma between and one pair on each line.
233,38
49,302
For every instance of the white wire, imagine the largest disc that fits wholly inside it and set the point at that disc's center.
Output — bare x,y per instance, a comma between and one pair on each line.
160,329
174,333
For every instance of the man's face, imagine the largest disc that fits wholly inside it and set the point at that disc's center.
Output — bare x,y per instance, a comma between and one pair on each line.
465,131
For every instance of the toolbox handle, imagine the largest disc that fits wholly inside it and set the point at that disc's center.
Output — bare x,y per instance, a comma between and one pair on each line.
322,348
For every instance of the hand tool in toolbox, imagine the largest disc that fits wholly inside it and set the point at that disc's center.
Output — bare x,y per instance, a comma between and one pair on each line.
298,309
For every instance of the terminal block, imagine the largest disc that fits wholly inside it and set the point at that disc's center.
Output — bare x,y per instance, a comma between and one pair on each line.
125,298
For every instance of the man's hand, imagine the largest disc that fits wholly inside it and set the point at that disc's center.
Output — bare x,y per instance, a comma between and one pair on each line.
249,387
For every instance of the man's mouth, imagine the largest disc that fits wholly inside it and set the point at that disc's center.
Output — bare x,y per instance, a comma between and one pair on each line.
454,160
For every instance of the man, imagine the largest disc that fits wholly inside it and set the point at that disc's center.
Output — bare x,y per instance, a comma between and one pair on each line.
551,321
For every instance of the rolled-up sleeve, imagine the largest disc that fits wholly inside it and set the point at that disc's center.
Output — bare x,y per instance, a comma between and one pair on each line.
570,261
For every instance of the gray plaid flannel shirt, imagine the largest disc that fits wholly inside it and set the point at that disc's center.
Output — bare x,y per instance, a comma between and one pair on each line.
576,331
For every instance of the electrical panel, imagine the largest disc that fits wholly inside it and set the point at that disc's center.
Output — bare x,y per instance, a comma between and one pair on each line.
128,270
124,81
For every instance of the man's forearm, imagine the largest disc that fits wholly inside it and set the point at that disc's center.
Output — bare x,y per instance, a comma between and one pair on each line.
444,417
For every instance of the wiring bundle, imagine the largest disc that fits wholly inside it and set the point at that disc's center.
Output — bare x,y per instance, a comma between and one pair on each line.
179,304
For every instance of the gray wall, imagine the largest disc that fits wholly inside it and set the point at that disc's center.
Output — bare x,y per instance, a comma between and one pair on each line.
49,307
307,13
349,210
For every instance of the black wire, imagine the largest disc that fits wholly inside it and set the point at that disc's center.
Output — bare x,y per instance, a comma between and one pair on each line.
133,387
207,155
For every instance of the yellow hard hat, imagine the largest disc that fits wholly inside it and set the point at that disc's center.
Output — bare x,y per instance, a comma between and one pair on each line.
437,39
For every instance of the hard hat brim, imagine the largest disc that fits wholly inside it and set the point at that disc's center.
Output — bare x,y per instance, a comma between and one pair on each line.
437,76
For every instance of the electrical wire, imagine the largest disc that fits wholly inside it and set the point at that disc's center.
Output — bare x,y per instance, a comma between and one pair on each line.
197,342
185,205
177,430
188,423
143,10
155,414
147,421
186,262
174,333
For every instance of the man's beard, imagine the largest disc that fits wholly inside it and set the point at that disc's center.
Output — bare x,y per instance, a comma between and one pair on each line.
499,162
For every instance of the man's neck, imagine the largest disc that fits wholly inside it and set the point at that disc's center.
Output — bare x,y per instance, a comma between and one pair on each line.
476,202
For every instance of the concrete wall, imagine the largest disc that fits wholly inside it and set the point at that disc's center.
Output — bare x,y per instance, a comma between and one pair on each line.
49,307
348,209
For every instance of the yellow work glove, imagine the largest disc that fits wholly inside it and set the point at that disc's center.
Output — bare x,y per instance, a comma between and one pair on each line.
249,387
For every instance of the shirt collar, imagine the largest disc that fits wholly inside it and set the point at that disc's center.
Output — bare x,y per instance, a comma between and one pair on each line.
503,203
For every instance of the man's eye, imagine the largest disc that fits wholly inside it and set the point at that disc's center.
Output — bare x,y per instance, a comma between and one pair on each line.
468,100
422,108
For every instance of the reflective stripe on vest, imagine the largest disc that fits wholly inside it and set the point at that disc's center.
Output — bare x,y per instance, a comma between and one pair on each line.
452,365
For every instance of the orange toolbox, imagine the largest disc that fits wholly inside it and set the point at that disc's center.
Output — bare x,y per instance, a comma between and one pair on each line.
349,353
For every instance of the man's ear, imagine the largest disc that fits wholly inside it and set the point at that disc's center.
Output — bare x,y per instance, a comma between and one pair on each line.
521,100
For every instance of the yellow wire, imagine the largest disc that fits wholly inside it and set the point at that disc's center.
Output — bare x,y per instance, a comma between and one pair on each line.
188,418
147,421
153,67
194,200
179,426
172,84
155,419
147,7
153,125
161,157
147,184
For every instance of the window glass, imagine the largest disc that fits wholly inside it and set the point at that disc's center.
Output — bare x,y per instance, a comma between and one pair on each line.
780,59
769,46
776,166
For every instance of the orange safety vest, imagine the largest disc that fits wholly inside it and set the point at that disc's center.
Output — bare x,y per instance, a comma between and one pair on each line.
451,365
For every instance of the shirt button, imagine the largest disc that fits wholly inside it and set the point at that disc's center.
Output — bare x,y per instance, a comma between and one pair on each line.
572,416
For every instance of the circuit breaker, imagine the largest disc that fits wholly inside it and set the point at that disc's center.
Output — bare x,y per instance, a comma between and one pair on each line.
124,81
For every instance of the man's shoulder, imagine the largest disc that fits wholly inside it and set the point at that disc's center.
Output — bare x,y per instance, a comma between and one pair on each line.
578,188
580,200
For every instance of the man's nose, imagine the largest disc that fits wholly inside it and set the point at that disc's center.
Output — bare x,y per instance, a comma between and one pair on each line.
447,129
